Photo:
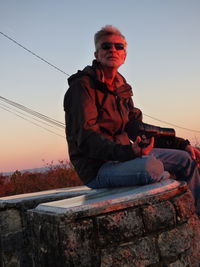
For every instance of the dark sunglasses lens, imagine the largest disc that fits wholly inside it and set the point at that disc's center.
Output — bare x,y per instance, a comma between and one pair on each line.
119,46
106,46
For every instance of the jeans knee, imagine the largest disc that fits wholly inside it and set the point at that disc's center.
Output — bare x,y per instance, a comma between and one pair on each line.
154,169
184,156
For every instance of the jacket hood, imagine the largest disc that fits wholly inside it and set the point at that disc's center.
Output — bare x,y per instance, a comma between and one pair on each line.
87,71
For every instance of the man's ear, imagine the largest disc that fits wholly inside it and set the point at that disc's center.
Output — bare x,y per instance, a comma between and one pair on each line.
95,54
125,55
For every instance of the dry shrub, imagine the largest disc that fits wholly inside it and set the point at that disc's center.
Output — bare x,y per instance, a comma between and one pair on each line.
62,175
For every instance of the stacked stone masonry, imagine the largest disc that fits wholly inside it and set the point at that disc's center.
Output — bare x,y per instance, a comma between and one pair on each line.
157,227
152,225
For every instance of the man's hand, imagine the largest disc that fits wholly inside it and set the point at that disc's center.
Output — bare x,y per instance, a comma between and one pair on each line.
139,151
194,153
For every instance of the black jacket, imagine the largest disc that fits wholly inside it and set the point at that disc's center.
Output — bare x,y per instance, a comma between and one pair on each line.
95,121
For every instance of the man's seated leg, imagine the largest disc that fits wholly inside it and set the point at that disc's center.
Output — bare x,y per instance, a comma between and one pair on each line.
139,171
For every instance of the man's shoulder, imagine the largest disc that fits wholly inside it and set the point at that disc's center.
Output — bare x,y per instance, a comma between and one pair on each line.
80,83
82,76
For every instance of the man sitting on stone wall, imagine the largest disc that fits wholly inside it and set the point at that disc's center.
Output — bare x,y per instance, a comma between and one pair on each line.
98,107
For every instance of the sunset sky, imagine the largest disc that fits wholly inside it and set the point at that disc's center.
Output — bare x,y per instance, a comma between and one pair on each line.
162,66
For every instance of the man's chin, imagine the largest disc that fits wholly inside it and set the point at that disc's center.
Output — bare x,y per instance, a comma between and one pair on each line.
112,64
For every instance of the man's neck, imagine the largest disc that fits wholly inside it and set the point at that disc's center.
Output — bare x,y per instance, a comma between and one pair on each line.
109,75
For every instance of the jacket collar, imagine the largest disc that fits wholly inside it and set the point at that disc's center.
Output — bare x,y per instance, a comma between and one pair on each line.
121,87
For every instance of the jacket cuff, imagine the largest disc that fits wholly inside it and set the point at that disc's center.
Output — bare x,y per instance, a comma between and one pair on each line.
184,144
124,152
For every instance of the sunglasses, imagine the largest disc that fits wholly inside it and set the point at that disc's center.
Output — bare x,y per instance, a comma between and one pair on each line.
107,46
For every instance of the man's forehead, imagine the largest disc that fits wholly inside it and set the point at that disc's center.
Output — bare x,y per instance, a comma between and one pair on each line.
112,37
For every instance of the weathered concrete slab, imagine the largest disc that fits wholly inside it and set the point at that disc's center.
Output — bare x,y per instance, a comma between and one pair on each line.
43,196
108,199
47,192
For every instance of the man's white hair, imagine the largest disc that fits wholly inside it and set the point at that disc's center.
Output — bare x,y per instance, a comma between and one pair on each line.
107,30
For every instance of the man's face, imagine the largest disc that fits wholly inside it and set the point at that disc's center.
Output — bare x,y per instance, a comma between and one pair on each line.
111,51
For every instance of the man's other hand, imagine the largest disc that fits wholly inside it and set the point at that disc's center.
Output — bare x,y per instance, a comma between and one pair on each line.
139,151
195,153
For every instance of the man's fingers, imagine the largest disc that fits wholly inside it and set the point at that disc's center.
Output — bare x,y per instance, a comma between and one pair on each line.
152,141
138,140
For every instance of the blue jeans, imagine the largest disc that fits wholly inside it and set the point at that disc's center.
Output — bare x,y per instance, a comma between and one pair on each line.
149,169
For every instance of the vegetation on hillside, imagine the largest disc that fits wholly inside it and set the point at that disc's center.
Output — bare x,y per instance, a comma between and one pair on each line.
59,176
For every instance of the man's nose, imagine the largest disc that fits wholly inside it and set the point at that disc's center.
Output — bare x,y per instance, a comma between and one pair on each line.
112,48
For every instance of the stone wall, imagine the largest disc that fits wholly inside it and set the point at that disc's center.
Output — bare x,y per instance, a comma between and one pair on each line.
153,225
15,250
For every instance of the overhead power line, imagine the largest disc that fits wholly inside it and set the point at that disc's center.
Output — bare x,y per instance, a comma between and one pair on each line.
34,54
16,112
36,124
33,113
177,126
41,119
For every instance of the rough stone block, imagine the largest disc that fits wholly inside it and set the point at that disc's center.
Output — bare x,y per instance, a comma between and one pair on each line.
46,242
10,221
78,241
184,260
194,226
10,260
74,243
12,242
119,226
159,216
174,242
140,253
184,205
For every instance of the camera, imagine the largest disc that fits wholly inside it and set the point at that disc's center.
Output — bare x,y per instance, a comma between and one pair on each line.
136,128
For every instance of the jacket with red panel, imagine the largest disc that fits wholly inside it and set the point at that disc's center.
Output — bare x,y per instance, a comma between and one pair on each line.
95,121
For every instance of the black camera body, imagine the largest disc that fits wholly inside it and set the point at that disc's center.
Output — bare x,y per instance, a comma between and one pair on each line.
136,128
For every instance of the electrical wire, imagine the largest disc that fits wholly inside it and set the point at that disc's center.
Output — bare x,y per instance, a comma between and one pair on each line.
34,54
36,124
15,112
33,112
183,128
39,117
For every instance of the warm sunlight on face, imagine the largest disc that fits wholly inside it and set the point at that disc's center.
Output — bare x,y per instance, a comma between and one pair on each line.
111,51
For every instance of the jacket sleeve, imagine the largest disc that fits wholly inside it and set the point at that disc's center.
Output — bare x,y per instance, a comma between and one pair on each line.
134,113
171,142
81,125
161,141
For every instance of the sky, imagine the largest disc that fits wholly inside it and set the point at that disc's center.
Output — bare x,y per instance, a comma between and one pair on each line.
162,66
